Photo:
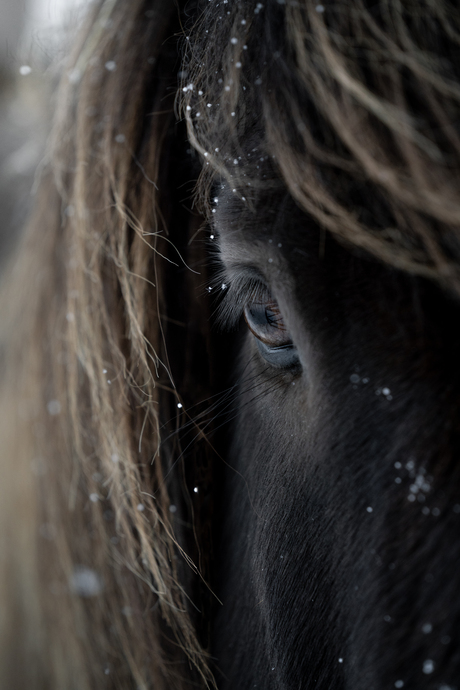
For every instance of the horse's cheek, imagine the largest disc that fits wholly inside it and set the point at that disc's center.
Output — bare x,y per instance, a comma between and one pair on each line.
282,554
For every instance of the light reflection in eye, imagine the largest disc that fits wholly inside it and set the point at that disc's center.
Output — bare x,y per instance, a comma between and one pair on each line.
266,323
274,342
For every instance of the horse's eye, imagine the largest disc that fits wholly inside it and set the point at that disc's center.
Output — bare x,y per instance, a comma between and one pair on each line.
266,323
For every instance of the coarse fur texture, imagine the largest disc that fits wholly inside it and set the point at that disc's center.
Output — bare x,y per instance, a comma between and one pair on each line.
177,511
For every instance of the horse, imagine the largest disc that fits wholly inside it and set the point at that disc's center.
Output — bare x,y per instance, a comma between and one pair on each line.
230,381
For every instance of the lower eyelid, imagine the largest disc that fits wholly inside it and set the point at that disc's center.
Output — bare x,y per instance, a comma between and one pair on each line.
284,357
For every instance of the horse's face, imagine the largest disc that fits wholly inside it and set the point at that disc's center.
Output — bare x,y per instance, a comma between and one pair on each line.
340,514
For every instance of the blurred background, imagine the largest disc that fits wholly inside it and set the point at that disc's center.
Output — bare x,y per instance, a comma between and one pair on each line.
34,40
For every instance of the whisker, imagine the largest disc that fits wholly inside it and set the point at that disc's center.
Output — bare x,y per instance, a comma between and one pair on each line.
239,391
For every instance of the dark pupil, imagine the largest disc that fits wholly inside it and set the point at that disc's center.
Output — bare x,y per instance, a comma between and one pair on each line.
273,318
263,316
266,324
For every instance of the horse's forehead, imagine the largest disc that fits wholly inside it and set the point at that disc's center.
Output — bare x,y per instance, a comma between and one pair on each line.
261,225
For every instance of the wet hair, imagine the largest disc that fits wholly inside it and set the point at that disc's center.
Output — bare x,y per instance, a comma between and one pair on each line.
354,108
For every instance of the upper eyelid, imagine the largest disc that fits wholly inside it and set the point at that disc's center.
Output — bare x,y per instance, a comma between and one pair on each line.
242,287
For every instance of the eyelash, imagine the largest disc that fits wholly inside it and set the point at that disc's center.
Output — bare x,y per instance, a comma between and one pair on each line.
236,294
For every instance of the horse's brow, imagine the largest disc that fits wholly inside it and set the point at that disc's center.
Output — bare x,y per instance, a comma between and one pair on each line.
237,249
237,240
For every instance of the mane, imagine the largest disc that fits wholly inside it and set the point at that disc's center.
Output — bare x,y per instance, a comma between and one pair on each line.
87,372
354,105
354,110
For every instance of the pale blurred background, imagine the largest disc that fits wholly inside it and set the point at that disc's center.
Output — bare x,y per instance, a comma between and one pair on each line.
34,40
